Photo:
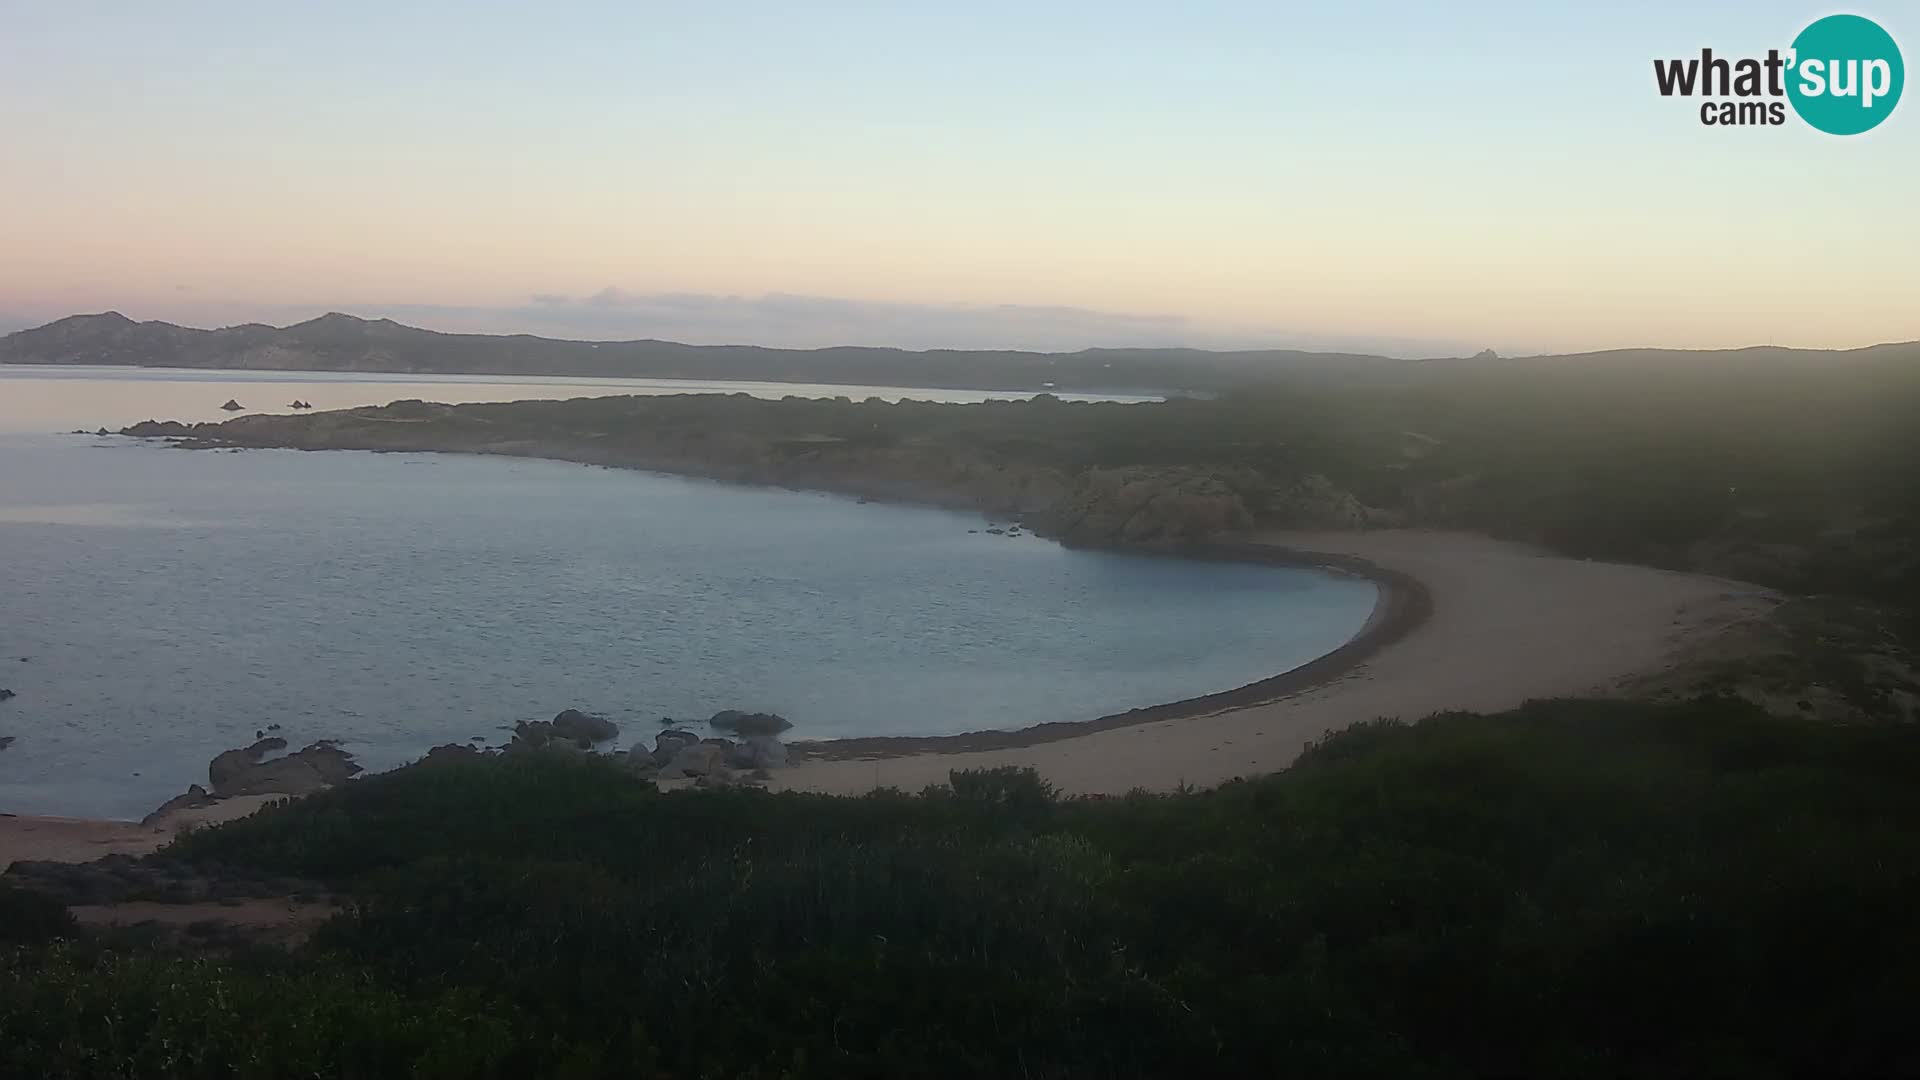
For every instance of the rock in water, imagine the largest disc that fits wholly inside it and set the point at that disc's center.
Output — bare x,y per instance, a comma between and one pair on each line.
227,767
232,406
5,694
576,725
451,752
5,741
531,734
749,723
242,772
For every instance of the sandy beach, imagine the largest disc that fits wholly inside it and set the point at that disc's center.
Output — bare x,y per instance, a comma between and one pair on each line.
1507,624
60,839
1499,624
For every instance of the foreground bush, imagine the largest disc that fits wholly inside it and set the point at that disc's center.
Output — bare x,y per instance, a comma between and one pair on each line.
1572,889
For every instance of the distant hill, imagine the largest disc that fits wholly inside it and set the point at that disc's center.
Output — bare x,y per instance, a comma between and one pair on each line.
337,342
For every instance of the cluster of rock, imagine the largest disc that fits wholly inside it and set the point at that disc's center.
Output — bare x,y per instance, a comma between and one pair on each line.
248,771
708,762
570,727
298,404
676,755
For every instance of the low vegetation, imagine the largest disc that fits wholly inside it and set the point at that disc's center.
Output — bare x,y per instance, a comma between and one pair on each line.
1569,889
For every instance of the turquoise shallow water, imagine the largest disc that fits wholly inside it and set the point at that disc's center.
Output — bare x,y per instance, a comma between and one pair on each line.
169,603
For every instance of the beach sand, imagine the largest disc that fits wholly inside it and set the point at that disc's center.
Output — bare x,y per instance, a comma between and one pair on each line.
58,839
1508,624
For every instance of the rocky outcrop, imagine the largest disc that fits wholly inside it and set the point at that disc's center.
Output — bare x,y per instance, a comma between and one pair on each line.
700,759
6,695
447,753
571,730
584,727
230,765
232,406
757,752
195,798
712,762
749,723
669,743
158,429
993,462
247,771
1142,506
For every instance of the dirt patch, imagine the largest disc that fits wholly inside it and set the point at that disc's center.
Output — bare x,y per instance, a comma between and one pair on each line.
278,921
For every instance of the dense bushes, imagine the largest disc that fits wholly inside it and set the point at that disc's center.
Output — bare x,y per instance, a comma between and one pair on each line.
1574,888
29,918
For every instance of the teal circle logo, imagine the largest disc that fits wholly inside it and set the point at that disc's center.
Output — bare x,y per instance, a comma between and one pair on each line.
1846,74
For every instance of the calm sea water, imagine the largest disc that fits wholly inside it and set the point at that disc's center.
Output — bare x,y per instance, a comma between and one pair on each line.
158,605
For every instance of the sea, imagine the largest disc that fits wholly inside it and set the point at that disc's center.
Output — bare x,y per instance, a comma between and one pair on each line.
159,605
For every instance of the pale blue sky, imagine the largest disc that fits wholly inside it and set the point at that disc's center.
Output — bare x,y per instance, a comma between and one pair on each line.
1407,176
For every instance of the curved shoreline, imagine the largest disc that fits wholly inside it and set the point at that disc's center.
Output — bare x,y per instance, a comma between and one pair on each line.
1462,622
1403,605
1404,602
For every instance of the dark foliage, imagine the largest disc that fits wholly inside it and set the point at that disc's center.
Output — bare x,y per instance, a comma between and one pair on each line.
29,918
1571,889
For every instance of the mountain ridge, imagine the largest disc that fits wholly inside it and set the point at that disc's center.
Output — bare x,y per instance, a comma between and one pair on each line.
337,341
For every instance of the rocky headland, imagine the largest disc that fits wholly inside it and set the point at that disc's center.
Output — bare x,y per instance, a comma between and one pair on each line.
1011,460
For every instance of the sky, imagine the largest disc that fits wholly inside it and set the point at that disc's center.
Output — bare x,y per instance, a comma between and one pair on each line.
1400,177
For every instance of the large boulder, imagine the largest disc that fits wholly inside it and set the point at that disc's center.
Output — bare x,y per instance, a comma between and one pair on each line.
578,726
668,744
531,735
5,694
749,723
228,766
700,759
757,752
